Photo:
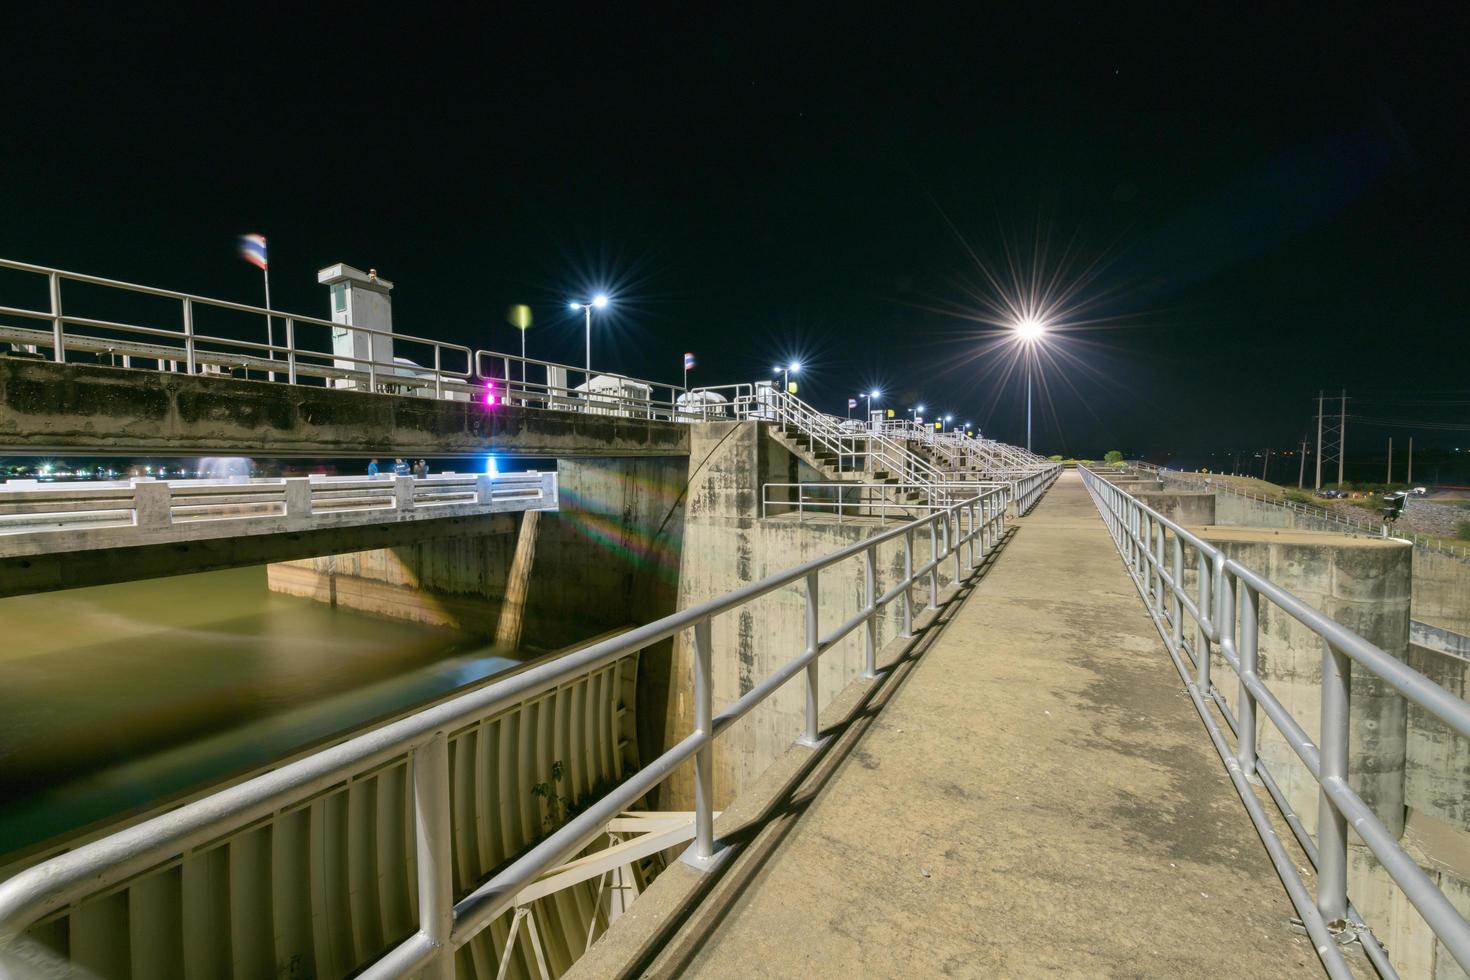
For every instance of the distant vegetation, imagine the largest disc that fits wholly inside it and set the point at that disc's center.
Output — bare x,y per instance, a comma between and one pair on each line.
1113,457
1462,530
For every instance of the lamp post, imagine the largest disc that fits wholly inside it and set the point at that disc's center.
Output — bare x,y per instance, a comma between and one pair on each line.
1029,333
870,395
786,372
598,301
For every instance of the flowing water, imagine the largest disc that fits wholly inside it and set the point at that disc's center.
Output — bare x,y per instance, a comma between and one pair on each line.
114,699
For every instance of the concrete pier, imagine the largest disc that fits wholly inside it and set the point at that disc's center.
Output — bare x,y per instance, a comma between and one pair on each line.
1036,796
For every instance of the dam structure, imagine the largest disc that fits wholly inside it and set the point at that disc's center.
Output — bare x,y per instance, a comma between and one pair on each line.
794,694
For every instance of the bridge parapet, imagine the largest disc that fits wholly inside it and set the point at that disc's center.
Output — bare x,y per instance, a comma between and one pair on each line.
38,519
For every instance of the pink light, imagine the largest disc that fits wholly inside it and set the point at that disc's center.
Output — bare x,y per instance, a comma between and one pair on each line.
490,399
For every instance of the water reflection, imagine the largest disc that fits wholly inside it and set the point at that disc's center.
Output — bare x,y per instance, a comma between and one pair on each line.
114,698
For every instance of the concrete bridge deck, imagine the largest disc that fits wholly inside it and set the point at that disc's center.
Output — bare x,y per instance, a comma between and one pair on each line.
1077,823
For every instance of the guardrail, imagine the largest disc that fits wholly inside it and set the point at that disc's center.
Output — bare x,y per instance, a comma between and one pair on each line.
867,499
959,534
1225,609
1326,515
47,518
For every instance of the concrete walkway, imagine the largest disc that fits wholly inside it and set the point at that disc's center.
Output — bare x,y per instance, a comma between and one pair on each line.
1038,798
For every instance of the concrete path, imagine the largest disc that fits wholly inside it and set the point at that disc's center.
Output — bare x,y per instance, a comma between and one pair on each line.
1039,798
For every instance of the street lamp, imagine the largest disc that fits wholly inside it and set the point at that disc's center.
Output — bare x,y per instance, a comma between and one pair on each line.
786,372
1029,332
598,301
870,395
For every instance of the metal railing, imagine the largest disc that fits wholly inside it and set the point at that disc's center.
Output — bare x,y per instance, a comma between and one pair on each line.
188,347
1225,608
959,536
1338,520
37,518
866,499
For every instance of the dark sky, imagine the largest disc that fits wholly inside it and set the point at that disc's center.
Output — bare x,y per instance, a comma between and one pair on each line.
1268,205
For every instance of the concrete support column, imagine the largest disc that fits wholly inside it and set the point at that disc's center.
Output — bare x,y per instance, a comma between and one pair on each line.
482,489
298,501
403,493
1364,584
151,505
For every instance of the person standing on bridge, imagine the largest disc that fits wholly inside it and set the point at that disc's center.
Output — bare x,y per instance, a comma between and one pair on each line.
373,468
421,469
400,468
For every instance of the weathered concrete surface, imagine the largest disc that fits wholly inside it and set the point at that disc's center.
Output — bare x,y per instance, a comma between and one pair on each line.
23,574
1442,591
86,409
1189,509
726,546
1039,797
1362,583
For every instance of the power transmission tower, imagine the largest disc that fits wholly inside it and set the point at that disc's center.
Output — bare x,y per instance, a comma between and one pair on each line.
1301,470
1331,437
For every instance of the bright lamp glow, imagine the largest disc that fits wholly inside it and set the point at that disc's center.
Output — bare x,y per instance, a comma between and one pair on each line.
575,305
599,301
874,394
920,407
795,367
1030,329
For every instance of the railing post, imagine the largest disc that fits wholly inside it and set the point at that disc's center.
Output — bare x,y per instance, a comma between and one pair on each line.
188,335
403,494
813,641
484,489
1246,647
870,602
438,376
58,332
1205,602
372,363
290,350
1159,567
1331,825
952,540
1176,603
152,510
933,561
908,583
704,758
298,500
431,840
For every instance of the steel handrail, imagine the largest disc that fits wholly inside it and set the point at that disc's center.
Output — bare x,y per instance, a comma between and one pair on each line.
958,534
1140,532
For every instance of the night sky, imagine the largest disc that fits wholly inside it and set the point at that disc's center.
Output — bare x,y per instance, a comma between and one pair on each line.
1250,209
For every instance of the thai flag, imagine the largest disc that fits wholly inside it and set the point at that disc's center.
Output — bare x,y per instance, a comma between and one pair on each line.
852,403
688,361
252,250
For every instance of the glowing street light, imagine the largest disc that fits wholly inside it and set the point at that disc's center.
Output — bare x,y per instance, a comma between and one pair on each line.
870,395
598,302
786,372
1029,333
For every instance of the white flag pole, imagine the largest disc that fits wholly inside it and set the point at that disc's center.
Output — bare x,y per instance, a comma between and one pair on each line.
270,335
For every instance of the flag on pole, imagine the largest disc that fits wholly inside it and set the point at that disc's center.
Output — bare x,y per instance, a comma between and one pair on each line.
252,250
688,361
852,403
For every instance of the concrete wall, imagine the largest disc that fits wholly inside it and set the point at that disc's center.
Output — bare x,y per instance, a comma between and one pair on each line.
1189,509
1442,591
86,409
1409,767
1362,583
726,545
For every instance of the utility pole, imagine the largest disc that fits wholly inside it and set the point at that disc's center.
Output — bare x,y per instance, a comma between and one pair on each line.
1319,441
1389,478
1342,437
1266,466
1301,470
1410,478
